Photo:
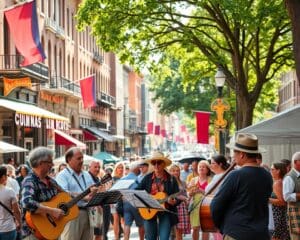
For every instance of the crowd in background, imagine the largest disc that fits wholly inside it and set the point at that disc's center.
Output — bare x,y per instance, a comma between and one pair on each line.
193,180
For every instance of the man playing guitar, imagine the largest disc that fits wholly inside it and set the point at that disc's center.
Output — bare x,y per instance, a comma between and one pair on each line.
74,180
160,181
38,187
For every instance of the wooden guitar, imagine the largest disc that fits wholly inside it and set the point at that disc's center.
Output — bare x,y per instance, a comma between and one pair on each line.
206,222
162,198
46,227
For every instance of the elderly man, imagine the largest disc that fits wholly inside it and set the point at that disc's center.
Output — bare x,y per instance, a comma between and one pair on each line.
94,170
74,180
240,207
38,181
291,194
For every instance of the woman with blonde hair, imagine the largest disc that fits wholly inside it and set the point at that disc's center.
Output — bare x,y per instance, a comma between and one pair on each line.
196,190
183,226
117,174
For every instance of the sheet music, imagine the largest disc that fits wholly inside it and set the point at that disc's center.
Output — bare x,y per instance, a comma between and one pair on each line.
122,184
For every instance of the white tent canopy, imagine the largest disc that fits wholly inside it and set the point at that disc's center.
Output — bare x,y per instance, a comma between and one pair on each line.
280,135
10,148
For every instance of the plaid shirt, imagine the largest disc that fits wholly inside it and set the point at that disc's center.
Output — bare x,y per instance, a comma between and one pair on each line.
33,192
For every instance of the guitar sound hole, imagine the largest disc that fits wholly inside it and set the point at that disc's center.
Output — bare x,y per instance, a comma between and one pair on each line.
64,207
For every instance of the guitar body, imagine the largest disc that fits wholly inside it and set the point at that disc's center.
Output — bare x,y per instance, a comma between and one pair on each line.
149,213
48,228
206,222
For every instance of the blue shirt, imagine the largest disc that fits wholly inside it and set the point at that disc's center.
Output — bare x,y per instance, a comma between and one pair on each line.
131,176
66,179
35,191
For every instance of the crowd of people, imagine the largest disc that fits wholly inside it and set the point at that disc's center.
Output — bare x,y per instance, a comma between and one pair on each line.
250,199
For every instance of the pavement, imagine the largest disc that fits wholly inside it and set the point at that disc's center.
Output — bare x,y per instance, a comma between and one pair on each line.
134,235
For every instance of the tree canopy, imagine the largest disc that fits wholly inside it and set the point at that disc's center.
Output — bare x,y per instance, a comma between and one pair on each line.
250,40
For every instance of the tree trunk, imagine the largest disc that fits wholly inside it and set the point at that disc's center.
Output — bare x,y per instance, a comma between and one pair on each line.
244,111
293,8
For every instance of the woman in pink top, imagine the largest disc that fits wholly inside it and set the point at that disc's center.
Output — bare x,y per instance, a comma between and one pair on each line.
196,190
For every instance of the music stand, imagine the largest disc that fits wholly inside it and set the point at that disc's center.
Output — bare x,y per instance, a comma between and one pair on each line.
103,198
141,199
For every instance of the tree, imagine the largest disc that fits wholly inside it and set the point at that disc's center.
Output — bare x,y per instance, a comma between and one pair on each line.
293,8
248,39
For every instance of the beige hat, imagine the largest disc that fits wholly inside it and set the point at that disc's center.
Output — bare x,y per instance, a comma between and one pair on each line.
159,156
245,142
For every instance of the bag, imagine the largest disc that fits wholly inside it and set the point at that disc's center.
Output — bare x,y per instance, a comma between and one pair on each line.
120,207
93,218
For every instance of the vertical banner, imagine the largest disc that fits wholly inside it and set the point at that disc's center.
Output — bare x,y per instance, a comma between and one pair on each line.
150,127
183,128
157,130
163,133
202,127
88,91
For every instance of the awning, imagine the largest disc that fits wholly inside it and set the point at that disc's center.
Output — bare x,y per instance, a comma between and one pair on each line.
9,148
89,136
101,134
26,108
119,137
62,138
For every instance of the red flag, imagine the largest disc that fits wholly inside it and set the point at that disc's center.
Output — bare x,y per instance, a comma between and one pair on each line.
157,130
183,128
23,24
150,127
88,91
202,123
163,133
177,138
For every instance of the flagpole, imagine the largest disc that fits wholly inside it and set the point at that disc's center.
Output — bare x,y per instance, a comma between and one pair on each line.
77,81
15,5
201,111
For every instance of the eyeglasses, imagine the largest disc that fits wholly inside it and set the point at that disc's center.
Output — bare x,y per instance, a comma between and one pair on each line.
156,162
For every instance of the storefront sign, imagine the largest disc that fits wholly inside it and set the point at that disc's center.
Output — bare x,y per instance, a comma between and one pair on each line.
56,124
26,120
11,84
51,98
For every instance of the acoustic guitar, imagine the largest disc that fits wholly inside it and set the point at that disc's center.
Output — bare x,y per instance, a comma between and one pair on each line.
162,198
206,222
46,227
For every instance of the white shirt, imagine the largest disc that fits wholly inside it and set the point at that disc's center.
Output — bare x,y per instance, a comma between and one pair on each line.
13,184
7,197
289,187
213,181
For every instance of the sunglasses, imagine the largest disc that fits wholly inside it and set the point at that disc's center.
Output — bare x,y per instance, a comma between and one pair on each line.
157,162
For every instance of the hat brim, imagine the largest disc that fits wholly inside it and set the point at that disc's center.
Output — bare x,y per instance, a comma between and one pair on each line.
167,161
234,147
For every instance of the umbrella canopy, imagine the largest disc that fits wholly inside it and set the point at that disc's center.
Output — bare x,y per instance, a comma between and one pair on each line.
10,148
190,159
86,160
106,157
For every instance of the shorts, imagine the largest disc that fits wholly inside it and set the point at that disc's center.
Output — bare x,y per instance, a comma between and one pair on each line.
131,213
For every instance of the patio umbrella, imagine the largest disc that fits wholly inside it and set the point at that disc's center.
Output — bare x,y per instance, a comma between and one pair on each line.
10,148
190,159
106,157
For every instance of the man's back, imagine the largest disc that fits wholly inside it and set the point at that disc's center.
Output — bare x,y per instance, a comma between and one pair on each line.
240,208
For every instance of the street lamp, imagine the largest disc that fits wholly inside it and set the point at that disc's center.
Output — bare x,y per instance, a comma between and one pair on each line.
220,81
219,105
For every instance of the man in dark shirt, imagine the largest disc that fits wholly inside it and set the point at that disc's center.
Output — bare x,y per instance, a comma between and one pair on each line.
240,207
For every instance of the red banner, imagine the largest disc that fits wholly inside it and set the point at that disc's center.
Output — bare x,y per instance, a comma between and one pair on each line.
202,126
88,92
23,25
157,130
183,128
150,127
163,133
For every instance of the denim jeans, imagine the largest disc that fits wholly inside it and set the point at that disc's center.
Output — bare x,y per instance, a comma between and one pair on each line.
159,225
8,235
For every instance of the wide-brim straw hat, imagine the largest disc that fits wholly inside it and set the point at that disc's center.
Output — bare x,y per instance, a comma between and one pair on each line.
246,142
159,156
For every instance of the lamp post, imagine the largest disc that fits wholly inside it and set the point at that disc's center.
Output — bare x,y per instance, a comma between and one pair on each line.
220,105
